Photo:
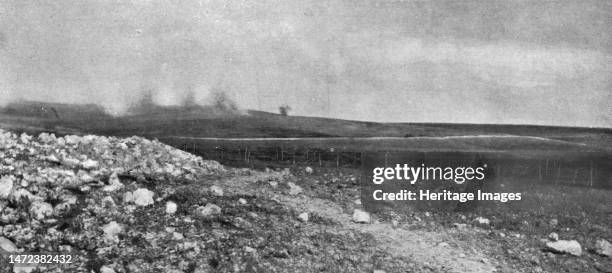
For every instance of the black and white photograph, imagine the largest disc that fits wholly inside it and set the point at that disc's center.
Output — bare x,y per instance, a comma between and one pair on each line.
375,136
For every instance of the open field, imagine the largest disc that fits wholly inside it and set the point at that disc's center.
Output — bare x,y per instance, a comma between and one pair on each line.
519,158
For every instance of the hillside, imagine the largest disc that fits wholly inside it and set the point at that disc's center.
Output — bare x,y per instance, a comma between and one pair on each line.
36,117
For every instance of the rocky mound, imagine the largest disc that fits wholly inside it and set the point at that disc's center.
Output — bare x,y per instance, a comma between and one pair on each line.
77,194
133,205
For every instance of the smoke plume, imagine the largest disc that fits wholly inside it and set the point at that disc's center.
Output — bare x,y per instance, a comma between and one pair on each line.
534,62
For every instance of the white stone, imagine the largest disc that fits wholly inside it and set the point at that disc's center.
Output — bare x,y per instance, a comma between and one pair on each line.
603,248
177,236
242,201
564,246
23,269
459,225
111,230
6,186
90,164
216,190
52,158
482,221
72,139
249,249
108,201
128,197
7,245
71,162
25,139
171,207
122,146
294,189
143,197
85,177
114,183
208,210
23,194
303,217
360,216
106,269
46,137
553,222
39,210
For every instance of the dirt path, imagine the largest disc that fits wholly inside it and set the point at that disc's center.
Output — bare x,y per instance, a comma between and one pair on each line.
437,251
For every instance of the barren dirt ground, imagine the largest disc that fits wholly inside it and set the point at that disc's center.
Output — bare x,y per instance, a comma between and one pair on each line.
431,250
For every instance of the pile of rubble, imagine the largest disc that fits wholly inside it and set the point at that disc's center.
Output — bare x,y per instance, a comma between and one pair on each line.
59,194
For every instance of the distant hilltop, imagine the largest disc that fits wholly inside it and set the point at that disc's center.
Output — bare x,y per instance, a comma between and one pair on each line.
222,120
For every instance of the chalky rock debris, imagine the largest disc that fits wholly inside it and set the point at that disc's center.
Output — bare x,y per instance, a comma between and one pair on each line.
360,216
65,193
111,231
303,217
553,222
40,210
106,269
6,186
249,249
482,221
89,164
603,248
113,183
7,245
216,190
171,207
294,189
143,197
565,246
207,211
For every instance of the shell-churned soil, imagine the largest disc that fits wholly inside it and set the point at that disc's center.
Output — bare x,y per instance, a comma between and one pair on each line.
135,205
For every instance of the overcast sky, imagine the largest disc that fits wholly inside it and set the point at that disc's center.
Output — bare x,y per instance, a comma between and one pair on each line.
515,61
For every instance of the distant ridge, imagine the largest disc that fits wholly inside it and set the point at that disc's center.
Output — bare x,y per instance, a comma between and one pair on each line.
212,122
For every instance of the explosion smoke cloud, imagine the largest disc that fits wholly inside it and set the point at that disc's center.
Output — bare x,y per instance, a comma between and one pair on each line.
418,61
